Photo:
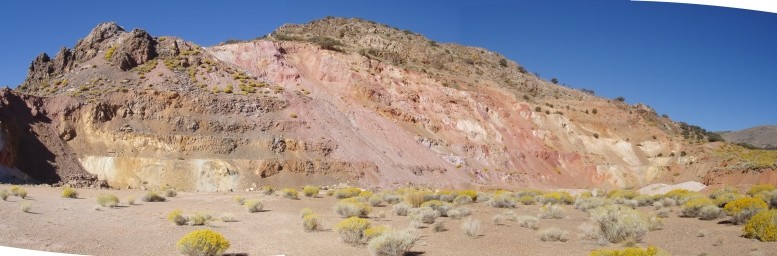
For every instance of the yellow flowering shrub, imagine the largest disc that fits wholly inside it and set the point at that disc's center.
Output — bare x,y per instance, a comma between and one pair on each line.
203,242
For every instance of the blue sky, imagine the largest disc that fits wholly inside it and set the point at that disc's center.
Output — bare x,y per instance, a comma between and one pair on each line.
710,66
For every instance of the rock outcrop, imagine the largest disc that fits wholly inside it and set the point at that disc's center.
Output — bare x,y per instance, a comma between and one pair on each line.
335,100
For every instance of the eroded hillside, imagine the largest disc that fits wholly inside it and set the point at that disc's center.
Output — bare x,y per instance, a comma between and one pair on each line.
335,100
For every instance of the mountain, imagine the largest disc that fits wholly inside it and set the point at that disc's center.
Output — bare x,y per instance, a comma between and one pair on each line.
334,101
759,136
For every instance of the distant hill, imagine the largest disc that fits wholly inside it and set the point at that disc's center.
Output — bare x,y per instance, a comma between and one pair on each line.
760,136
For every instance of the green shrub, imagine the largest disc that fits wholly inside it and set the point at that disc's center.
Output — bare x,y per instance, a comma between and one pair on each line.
310,191
585,204
69,192
459,212
290,193
654,222
267,190
692,207
228,217
203,242
678,194
722,199
416,224
401,209
754,190
527,200
26,206
375,200
471,227
770,197
502,200
326,43
645,200
529,192
724,190
434,204
351,230
631,203
351,207
557,198
19,191
553,235
365,194
668,202
444,209
762,226
375,231
176,216
498,219
742,209
239,200
311,222
4,194
469,192
625,194
391,198
710,212
170,192
108,200
617,224
199,219
528,221
153,197
439,226
392,243
447,197
415,199
424,214
552,211
346,192
253,205
131,200
631,251
663,212
304,212
462,200
109,53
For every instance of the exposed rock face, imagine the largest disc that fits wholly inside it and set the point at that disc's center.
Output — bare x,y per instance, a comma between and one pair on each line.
40,70
27,145
137,48
125,50
97,40
331,101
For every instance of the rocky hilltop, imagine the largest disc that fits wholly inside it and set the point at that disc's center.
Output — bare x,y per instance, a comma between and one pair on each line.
335,100
758,137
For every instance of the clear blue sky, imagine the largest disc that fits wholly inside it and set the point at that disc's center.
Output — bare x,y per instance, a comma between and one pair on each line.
710,66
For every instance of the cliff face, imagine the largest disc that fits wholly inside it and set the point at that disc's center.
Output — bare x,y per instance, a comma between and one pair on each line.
335,100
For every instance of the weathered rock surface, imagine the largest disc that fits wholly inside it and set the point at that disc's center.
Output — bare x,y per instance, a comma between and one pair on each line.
335,100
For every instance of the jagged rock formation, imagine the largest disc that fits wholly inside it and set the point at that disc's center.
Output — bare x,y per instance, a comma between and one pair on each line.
332,101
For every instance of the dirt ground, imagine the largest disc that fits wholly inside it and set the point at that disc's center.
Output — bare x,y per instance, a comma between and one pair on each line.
79,226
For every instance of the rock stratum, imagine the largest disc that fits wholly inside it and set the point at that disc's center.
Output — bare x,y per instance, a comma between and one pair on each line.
335,100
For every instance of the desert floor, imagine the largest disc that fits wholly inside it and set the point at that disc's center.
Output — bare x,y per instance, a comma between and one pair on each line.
80,226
